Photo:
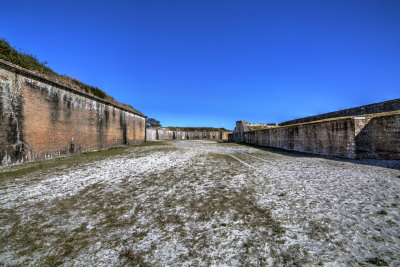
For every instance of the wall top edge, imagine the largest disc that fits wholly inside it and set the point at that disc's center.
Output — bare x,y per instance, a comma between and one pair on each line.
167,130
364,107
40,77
336,119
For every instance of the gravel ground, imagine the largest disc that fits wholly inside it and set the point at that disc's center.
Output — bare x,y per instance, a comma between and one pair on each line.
201,203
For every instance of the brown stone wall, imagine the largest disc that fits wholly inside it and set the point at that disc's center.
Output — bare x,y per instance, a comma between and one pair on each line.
380,138
375,136
334,138
40,120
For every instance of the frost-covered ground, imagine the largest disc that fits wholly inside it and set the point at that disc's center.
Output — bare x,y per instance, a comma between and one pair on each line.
200,203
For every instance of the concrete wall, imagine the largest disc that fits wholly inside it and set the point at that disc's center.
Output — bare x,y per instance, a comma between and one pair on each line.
351,137
327,138
386,106
162,134
379,138
42,119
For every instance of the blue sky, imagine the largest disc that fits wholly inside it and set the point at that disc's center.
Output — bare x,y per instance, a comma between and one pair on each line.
207,62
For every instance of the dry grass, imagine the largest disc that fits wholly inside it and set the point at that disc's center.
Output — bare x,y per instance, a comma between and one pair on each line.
197,203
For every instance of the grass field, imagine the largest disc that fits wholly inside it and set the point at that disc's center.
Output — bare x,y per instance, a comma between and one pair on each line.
200,203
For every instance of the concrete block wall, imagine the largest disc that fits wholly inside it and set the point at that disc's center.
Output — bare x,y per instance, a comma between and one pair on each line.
42,119
153,134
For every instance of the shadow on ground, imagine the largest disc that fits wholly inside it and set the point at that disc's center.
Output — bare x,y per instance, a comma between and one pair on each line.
392,164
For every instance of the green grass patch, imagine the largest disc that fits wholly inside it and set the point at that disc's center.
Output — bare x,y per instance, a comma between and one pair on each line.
32,63
377,261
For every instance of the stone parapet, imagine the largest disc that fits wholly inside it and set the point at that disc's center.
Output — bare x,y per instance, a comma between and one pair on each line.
374,136
386,106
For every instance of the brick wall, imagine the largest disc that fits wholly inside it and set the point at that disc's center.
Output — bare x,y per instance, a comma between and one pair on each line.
39,119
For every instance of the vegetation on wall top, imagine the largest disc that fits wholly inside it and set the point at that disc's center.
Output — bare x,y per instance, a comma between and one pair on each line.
32,63
151,122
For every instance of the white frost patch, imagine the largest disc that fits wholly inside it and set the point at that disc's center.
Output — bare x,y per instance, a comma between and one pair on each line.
203,203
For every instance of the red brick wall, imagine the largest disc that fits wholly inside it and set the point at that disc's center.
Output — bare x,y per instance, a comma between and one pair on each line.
52,121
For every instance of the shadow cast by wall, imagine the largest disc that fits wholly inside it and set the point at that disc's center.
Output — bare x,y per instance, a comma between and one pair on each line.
379,139
392,164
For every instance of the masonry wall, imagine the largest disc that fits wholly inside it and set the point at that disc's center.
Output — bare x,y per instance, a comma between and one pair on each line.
39,119
379,138
375,136
385,106
325,138
162,134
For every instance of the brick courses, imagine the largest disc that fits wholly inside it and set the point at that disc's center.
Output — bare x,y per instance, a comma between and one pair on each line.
39,119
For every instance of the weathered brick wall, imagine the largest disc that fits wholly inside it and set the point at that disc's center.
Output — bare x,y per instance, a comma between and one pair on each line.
379,138
386,106
162,134
224,135
334,138
39,119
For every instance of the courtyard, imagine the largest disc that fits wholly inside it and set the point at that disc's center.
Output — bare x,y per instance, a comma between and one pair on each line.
200,203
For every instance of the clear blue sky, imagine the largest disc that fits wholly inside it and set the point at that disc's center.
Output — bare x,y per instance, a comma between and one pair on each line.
207,62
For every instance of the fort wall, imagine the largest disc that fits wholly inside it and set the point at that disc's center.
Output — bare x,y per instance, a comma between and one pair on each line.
325,138
379,138
154,134
375,136
40,118
391,105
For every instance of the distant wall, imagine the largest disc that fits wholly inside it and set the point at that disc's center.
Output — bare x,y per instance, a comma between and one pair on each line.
386,106
375,137
266,125
162,134
42,119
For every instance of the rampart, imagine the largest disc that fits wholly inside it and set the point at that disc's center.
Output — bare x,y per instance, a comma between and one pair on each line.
154,134
375,136
386,106
40,118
